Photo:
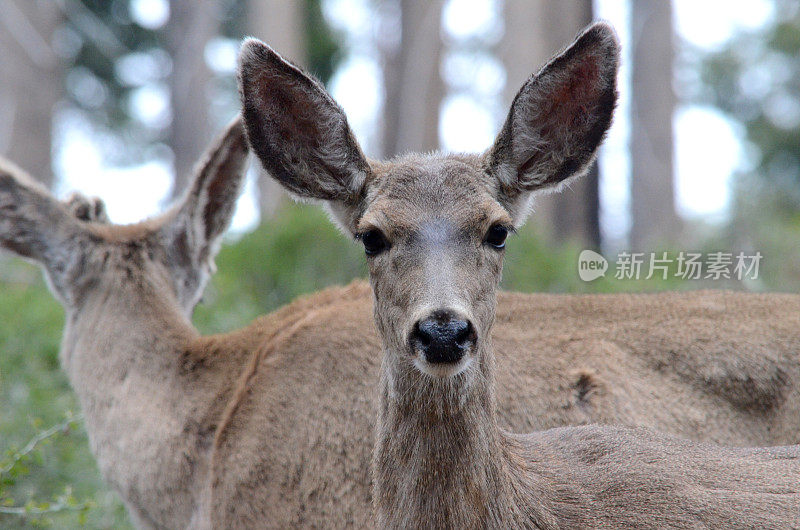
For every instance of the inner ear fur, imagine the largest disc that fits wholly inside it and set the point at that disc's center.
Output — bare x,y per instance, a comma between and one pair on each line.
297,130
559,117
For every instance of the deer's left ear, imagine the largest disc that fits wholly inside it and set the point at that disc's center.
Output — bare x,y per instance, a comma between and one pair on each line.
557,119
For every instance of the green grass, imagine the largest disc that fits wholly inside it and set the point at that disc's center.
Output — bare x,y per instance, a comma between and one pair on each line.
35,394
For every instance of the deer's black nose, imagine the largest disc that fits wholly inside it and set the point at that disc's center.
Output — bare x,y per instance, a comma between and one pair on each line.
443,337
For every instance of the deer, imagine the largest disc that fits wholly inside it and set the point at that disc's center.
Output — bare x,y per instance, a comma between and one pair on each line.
272,425
434,229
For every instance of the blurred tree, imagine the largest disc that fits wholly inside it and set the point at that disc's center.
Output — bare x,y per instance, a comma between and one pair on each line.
192,23
280,24
118,59
413,86
654,219
298,31
536,30
755,79
32,83
323,46
109,59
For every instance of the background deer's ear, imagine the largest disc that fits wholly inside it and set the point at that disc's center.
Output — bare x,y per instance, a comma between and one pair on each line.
298,131
557,120
206,210
32,223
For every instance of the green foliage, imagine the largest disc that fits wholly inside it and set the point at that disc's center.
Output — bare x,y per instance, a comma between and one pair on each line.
322,45
534,265
100,32
15,465
298,251
755,79
775,231
108,56
34,393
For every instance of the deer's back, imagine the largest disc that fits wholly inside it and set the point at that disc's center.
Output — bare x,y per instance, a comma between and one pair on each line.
707,365
616,477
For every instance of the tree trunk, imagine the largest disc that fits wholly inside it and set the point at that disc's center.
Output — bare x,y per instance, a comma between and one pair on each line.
281,24
31,84
535,31
413,84
652,197
192,23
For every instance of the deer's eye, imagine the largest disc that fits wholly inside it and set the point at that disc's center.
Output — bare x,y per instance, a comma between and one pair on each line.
374,242
496,236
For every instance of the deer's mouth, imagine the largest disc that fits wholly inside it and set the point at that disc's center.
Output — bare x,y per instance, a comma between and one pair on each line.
441,370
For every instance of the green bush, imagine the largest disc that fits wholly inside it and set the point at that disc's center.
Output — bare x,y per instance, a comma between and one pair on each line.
35,396
298,251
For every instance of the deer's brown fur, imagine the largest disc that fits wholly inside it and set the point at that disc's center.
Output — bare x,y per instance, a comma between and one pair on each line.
443,457
562,360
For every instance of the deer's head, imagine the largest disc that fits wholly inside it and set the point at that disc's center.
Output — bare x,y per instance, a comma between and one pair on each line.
433,226
87,259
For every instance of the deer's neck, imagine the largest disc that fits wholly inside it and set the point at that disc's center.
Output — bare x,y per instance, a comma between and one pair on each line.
440,459
126,322
122,352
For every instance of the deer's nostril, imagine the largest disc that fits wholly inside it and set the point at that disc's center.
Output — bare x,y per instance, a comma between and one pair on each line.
465,334
443,337
424,333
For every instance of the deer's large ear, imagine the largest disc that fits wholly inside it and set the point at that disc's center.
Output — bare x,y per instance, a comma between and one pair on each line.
558,119
32,223
297,130
206,210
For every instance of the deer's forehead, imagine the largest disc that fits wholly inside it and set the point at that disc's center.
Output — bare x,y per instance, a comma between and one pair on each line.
420,172
424,195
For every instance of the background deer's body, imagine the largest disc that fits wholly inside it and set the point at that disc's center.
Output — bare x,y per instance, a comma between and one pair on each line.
444,460
681,363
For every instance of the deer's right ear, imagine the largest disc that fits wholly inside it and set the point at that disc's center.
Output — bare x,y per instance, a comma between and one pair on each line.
297,130
557,120
207,208
32,223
